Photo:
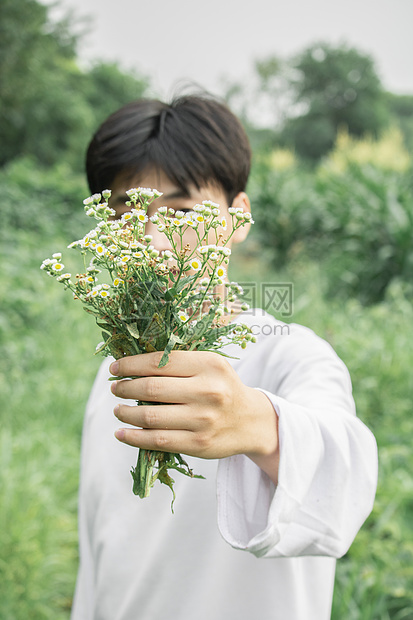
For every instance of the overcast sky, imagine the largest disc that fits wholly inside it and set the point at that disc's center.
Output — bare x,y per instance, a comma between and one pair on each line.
173,40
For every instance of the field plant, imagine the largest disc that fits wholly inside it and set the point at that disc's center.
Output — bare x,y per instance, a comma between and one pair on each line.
354,213
42,398
46,200
387,153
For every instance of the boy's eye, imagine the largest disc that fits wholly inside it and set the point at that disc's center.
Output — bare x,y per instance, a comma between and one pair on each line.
184,210
181,212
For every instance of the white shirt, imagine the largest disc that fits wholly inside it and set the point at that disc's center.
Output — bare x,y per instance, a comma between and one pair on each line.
236,547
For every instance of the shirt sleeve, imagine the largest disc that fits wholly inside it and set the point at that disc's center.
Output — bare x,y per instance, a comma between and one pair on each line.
328,464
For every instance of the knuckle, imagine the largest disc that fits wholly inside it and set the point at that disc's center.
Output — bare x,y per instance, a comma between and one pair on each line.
203,442
215,361
160,441
217,394
148,417
152,387
207,418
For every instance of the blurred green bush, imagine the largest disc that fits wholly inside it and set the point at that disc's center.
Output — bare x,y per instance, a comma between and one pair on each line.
49,103
40,200
354,213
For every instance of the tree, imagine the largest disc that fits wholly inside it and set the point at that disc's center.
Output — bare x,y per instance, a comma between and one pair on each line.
49,106
30,54
108,88
335,87
304,100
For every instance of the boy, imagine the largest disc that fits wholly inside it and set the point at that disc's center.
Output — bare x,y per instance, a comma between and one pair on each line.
289,470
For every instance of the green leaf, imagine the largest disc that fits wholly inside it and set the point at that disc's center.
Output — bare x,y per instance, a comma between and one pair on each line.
100,349
170,294
182,282
173,340
106,326
133,330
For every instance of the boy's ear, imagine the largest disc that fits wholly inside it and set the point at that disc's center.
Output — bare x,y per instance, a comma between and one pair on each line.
242,201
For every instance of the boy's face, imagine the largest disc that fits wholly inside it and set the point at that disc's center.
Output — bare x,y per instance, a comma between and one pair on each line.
174,198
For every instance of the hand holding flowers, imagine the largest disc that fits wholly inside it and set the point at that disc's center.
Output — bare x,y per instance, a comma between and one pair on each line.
206,410
153,301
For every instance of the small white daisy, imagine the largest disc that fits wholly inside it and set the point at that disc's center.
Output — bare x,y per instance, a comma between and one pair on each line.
195,264
100,250
58,266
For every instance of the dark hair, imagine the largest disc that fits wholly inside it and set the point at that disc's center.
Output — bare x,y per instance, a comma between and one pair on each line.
193,140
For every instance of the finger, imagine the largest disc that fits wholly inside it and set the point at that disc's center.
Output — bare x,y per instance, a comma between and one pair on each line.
177,441
156,389
180,364
171,417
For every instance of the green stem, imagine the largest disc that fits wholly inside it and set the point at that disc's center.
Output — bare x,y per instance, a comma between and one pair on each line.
143,474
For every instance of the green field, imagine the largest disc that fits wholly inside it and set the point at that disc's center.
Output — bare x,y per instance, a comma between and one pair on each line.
46,369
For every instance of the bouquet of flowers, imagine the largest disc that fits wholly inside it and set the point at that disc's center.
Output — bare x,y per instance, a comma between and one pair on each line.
148,300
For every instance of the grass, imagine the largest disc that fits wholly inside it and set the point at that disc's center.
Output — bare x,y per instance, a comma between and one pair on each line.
47,368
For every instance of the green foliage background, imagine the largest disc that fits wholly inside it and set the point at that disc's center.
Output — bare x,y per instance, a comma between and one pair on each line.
342,234
357,222
49,105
